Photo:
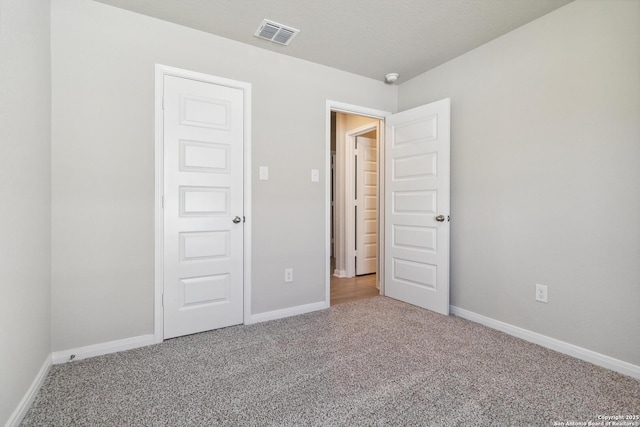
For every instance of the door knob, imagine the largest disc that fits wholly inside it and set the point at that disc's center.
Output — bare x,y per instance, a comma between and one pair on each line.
440,218
236,220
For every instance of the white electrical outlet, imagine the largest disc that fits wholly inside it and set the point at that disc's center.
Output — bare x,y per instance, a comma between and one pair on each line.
541,293
288,275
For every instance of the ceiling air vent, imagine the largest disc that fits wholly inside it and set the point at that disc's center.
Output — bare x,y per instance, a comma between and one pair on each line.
275,32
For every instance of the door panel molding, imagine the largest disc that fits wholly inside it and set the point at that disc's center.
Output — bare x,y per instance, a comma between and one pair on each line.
160,72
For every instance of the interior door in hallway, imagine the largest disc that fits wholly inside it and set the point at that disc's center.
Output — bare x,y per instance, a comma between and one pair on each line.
203,206
417,146
366,205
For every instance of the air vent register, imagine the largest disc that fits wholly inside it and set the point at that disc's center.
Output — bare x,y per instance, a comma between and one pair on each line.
275,32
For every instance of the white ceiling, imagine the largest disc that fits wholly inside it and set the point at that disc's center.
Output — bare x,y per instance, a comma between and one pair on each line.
366,37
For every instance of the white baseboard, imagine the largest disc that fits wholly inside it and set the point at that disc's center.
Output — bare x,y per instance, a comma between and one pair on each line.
21,410
551,343
102,348
286,312
340,273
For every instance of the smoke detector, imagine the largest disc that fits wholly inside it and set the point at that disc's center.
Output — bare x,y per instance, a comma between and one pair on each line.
391,78
275,32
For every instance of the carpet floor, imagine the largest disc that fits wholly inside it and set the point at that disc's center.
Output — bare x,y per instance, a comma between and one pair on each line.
373,362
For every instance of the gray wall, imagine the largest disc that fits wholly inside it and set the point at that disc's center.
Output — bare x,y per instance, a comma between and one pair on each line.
25,213
103,164
545,152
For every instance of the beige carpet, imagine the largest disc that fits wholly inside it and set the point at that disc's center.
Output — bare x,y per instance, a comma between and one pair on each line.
373,362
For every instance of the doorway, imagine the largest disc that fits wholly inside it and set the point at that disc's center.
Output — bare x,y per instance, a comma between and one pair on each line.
413,203
354,200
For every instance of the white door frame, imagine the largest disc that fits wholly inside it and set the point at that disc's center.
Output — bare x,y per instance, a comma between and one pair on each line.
342,107
160,72
349,173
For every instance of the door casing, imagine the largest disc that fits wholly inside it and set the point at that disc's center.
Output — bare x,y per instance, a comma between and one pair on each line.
349,174
160,72
342,107
364,214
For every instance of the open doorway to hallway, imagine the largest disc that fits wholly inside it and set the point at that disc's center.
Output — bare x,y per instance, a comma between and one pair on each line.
354,207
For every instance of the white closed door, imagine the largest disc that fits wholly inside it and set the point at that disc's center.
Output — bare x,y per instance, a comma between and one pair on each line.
366,205
203,206
417,208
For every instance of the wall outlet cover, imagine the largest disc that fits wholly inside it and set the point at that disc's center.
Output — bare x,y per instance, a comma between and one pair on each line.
541,293
288,275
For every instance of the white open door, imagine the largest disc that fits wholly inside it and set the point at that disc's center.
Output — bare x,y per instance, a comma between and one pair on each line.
417,146
366,205
203,206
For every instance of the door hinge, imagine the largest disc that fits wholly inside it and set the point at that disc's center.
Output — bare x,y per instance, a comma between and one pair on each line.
244,219
163,201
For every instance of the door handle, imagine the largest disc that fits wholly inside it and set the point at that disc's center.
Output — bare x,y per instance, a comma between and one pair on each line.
236,220
440,218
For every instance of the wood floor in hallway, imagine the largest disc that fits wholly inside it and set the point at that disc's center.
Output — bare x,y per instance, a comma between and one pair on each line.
353,288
